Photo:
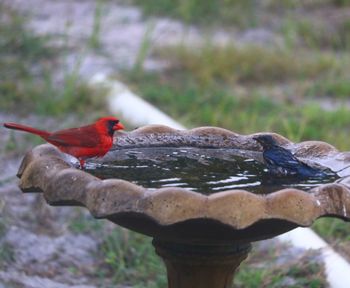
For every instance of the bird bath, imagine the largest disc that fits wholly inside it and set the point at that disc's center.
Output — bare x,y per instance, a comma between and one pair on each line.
202,231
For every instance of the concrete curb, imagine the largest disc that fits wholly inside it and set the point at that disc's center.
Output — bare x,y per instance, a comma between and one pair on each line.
120,99
126,105
337,268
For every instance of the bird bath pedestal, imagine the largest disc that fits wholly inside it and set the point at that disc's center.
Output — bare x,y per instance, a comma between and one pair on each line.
202,238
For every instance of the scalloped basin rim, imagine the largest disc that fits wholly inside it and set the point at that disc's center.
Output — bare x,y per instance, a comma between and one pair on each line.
44,169
210,137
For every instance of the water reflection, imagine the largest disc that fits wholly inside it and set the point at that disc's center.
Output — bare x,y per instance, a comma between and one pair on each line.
201,170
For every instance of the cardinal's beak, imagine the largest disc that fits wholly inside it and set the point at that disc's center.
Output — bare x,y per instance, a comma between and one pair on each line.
118,126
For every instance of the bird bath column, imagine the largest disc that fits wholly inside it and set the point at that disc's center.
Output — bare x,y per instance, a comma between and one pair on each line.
202,266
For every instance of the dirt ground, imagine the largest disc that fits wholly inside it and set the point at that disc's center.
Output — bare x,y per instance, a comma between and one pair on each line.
123,31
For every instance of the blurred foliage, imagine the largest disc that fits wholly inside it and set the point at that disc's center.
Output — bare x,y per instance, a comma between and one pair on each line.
242,13
28,83
2,223
336,232
295,275
332,229
84,223
340,2
318,34
249,87
7,255
253,64
243,114
129,258
94,41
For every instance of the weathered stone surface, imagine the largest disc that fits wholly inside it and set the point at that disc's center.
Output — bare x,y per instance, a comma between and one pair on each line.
178,214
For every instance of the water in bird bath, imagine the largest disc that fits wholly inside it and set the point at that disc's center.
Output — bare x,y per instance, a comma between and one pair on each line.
205,171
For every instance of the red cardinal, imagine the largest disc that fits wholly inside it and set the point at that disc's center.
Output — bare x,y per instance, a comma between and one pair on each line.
93,140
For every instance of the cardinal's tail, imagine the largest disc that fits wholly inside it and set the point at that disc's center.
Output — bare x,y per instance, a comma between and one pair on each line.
15,126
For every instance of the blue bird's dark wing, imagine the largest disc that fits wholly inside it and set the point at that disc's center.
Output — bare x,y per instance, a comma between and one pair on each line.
279,156
308,171
281,161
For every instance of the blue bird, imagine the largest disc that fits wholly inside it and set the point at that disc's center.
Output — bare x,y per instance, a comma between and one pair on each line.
282,163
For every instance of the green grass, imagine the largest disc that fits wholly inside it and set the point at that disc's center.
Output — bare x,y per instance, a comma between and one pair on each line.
27,66
340,3
233,87
18,41
84,223
2,222
336,232
7,254
249,64
317,34
144,48
335,86
241,13
296,20
95,41
245,14
299,74
130,258
269,267
248,114
250,277
6,250
332,229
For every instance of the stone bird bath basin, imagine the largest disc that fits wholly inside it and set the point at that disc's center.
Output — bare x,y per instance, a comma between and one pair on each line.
202,238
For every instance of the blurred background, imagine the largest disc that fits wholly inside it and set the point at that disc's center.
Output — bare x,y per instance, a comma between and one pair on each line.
248,66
